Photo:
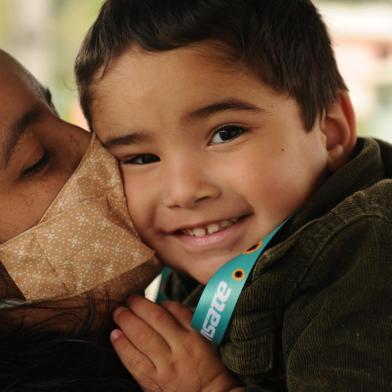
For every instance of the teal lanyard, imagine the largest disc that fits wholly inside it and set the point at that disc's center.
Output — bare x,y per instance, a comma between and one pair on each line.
218,300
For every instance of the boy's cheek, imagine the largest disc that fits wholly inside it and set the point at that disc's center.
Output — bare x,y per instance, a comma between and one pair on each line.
140,210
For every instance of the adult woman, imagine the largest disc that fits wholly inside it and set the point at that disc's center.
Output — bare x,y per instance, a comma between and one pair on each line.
59,343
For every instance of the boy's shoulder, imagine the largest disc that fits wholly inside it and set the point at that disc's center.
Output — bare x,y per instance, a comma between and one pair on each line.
363,217
353,209
322,280
333,268
366,183
372,202
361,190
360,226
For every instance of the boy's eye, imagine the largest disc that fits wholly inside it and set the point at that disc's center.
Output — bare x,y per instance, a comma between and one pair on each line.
143,159
227,133
37,166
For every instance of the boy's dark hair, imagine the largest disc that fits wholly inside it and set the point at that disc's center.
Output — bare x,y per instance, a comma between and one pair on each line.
284,42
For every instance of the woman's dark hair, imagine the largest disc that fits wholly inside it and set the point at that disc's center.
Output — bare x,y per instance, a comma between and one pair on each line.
284,42
36,358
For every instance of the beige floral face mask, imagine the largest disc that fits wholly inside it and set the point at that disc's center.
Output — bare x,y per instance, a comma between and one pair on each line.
84,240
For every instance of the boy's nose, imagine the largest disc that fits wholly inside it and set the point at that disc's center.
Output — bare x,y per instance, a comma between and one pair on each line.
188,185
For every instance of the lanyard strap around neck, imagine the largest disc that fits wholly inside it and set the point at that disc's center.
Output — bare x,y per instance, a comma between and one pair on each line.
218,300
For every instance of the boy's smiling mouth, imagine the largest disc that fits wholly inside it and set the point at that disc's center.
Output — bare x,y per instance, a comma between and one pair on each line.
209,235
211,228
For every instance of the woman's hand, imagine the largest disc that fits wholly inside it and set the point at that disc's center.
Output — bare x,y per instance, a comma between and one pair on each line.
163,353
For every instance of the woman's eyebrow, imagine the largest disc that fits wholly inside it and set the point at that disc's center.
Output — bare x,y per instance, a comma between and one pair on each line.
15,132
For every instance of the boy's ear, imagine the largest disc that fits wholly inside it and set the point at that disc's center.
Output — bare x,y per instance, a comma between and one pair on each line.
338,126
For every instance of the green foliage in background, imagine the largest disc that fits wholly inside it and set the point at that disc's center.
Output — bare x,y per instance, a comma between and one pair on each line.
65,28
5,19
73,18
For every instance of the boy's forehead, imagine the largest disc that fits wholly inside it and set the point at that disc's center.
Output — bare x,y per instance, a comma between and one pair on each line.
143,93
136,60
203,64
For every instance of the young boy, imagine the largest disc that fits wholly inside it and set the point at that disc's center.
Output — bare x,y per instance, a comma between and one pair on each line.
230,118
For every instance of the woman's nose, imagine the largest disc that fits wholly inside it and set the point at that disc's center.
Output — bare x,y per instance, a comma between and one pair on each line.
73,142
80,138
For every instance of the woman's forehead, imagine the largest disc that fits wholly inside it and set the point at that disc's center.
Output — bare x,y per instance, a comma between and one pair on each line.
20,94
17,78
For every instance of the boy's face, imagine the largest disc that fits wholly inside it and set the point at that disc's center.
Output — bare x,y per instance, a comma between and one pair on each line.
38,151
212,159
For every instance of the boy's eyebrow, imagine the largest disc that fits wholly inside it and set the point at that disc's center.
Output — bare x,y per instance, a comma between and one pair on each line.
127,139
205,111
16,131
221,106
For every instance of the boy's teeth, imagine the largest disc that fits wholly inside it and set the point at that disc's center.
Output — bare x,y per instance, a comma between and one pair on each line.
210,229
225,224
213,228
198,232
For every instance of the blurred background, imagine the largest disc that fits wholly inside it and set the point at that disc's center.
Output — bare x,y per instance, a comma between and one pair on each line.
45,36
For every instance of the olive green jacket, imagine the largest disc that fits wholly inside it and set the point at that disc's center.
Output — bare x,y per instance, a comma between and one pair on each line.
316,314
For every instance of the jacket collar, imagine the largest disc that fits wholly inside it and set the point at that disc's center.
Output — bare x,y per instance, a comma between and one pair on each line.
371,162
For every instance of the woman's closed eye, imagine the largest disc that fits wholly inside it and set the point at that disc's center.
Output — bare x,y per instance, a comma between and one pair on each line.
227,133
37,166
142,159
